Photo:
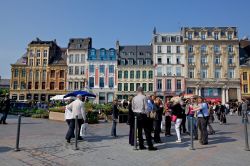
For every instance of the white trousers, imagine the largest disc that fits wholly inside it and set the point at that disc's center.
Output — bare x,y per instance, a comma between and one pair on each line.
177,128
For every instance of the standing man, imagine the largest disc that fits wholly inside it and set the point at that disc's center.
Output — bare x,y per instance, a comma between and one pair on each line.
139,107
115,114
244,106
6,108
77,108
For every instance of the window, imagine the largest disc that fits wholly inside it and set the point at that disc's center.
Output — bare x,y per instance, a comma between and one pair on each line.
178,85
61,73
168,38
125,88
126,74
52,86
71,70
119,74
216,48
144,74
31,62
203,73
76,86
203,59
190,35
245,76
103,54
112,54
169,84
52,73
159,84
132,74
82,85
101,82
178,39
132,87
168,59
190,48
203,35
216,35
30,74
31,53
82,70
148,62
190,59
70,86
140,62
159,71
169,71
229,35
45,61
150,87
92,55
38,62
102,69
217,73
137,85
71,58
150,74
230,48
231,73
144,86
111,82
178,60
178,71
61,85
37,74
217,59
130,61
138,74
131,53
91,82
230,59
111,68
45,53
191,73
16,73
178,49
158,49
82,58
245,88
15,84
77,58
29,85
36,85
159,60
119,86
38,53
23,73
203,48
43,85
168,49
123,62
91,68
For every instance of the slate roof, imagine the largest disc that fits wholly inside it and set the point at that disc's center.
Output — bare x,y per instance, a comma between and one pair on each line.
80,43
60,58
244,51
22,60
4,82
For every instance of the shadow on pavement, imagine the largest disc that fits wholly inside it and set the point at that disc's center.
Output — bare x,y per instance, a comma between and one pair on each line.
96,138
219,140
5,149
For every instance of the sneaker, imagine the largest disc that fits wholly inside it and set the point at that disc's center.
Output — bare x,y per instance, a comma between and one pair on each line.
178,141
152,148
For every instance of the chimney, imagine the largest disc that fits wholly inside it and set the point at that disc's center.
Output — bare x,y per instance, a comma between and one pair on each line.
117,44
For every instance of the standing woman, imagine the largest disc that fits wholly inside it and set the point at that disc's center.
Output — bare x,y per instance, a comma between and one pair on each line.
168,119
131,121
158,119
177,111
115,114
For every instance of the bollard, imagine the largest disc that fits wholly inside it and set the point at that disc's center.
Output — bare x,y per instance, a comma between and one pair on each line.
135,134
18,133
245,131
76,133
192,134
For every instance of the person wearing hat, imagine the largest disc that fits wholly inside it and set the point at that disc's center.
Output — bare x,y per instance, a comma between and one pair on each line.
115,115
6,108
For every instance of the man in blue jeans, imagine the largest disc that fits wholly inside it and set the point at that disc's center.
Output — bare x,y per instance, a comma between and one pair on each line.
6,108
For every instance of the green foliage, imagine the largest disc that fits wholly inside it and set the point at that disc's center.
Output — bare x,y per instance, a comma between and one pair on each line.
123,110
57,109
4,91
92,117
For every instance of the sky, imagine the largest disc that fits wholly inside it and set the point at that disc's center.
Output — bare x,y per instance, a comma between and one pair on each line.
129,21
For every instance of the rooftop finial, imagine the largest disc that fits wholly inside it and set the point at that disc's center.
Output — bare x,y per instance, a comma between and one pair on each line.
154,31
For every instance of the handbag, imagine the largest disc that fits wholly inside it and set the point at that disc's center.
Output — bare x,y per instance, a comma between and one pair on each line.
173,118
152,114
83,131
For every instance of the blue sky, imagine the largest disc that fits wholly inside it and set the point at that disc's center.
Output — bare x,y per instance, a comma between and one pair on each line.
130,21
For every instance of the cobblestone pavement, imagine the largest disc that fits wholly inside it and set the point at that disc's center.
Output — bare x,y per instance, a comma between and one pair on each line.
42,143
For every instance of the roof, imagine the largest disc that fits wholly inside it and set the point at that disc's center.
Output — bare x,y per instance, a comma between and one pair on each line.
4,82
38,41
244,53
80,43
61,58
22,60
135,48
209,28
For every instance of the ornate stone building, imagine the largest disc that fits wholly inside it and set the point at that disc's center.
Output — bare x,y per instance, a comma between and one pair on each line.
169,59
40,73
135,68
212,62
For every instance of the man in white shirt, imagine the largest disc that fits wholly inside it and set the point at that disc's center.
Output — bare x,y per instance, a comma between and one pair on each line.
77,109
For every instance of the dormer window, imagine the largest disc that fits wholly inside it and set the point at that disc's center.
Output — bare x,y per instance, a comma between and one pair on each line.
168,38
148,53
140,61
92,55
216,35
141,53
38,53
229,35
178,39
131,53
123,62
203,35
112,54
130,61
190,35
78,46
103,54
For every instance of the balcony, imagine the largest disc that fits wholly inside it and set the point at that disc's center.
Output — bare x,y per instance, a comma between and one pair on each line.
217,52
203,52
191,64
231,64
218,64
204,64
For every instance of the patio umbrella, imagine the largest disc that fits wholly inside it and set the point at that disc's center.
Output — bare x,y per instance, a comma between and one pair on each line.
82,93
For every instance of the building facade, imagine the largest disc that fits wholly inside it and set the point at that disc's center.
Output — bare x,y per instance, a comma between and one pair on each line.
77,53
135,68
101,74
40,73
212,59
169,58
